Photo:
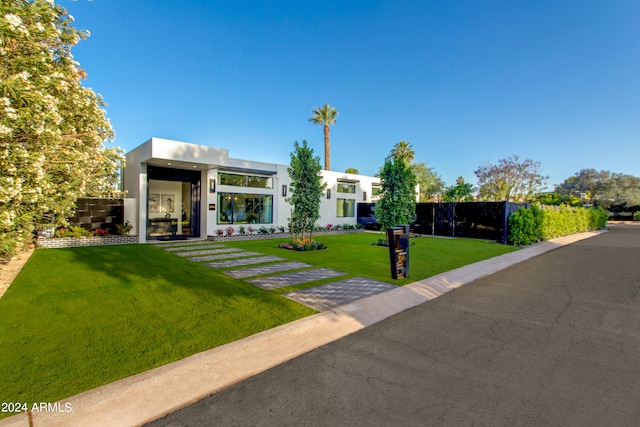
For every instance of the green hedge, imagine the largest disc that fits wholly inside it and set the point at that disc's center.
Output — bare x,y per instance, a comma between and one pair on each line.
530,225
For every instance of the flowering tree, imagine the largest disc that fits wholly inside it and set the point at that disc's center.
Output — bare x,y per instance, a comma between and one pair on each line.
510,179
52,129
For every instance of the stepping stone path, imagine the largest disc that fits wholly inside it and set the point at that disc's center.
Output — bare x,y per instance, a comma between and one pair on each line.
243,261
206,251
320,298
327,297
265,269
290,279
192,247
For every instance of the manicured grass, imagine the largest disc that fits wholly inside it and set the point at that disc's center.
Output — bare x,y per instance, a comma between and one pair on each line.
78,318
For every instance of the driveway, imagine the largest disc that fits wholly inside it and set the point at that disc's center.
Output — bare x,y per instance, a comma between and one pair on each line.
551,341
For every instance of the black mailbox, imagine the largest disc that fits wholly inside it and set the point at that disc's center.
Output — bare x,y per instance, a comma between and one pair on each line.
398,238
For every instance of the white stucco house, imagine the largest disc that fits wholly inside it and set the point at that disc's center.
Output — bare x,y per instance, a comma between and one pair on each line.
178,188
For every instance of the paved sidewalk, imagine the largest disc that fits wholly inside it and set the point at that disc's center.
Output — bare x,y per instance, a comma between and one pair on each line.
152,394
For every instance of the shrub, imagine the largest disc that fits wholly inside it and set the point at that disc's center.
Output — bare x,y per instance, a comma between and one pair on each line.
636,216
229,231
219,232
263,230
242,230
302,246
272,230
530,225
72,231
281,228
525,226
251,230
124,229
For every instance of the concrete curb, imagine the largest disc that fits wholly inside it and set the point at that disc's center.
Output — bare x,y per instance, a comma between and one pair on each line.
153,394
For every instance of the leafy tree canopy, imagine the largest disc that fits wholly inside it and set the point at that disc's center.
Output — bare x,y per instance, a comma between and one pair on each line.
510,179
430,182
602,188
52,129
461,192
353,171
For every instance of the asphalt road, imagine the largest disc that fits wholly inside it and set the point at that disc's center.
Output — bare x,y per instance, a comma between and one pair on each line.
551,341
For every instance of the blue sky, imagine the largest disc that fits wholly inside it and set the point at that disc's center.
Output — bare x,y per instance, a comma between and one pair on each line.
466,82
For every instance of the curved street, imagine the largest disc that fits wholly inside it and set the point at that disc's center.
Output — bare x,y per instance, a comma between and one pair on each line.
554,340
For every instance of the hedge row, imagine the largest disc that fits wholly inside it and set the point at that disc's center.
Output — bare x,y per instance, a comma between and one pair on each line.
537,223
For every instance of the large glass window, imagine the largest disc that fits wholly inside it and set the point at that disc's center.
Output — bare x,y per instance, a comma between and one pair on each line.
238,180
345,208
240,208
346,188
375,190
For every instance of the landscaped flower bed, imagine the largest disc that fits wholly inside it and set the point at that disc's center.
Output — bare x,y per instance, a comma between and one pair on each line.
73,237
311,245
250,233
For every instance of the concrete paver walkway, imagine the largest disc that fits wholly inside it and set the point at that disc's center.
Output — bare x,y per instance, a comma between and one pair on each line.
198,247
332,295
218,250
242,273
290,279
243,261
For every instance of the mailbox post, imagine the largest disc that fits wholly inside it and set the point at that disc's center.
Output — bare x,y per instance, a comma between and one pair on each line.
398,238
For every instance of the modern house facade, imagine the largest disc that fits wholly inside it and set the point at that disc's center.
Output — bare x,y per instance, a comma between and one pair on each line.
183,189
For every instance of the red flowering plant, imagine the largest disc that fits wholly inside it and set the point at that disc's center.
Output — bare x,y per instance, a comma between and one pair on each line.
100,232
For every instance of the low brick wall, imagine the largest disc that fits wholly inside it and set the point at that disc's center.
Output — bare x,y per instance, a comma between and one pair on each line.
76,242
277,235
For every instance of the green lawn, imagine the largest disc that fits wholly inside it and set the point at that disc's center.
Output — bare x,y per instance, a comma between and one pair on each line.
78,318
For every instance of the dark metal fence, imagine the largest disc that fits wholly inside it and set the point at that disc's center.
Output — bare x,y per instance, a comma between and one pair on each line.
480,220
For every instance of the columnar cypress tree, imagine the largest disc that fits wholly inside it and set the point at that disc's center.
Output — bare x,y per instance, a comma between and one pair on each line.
397,204
306,188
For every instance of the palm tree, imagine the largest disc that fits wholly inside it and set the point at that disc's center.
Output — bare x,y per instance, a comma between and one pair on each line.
403,151
325,115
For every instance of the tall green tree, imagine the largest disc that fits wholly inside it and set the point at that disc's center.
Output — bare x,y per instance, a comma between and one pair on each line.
53,130
461,192
510,179
325,116
353,171
397,204
589,185
430,182
306,191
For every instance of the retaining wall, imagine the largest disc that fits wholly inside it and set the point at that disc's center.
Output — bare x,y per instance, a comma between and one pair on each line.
76,242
